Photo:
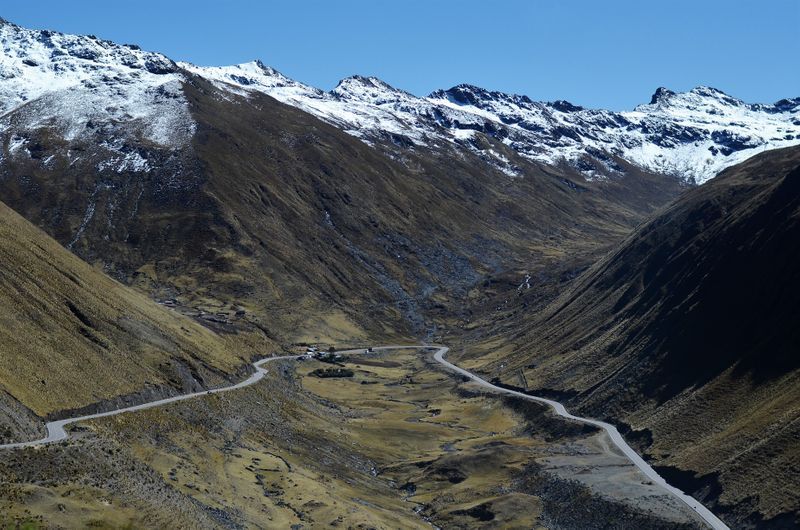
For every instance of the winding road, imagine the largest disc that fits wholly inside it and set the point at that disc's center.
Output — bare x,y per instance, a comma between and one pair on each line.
56,431
712,520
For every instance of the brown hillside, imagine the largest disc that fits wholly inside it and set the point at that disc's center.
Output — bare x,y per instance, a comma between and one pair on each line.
72,337
690,332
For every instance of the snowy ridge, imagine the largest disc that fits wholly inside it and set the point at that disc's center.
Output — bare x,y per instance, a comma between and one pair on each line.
86,87
355,109
691,135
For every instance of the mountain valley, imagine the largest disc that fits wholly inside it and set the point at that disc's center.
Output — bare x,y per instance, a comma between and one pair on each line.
164,224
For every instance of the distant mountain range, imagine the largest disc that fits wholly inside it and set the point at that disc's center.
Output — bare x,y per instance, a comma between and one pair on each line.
691,135
83,82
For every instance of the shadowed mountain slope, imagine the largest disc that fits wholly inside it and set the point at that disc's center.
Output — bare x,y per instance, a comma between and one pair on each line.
690,332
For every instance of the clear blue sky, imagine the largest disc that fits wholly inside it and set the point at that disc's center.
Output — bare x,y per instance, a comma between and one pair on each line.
597,53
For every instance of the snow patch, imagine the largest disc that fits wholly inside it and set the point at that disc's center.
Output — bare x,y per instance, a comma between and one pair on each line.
15,143
132,161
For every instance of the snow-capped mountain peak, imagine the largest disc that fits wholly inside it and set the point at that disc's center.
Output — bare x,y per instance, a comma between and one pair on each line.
368,89
253,75
466,94
698,99
49,78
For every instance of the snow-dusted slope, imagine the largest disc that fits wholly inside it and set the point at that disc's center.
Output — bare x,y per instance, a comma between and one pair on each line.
77,84
86,87
691,135
703,131
363,113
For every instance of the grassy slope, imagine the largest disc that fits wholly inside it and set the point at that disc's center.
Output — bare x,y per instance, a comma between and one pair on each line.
70,336
689,332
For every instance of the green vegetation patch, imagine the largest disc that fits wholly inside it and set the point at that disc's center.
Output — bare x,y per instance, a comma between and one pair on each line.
332,372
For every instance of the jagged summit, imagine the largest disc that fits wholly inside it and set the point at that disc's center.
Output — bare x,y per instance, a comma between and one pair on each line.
708,91
360,80
562,105
253,74
661,94
76,80
64,53
698,97
370,89
467,94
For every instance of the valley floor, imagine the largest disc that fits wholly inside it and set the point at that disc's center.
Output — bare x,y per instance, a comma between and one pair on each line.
399,444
